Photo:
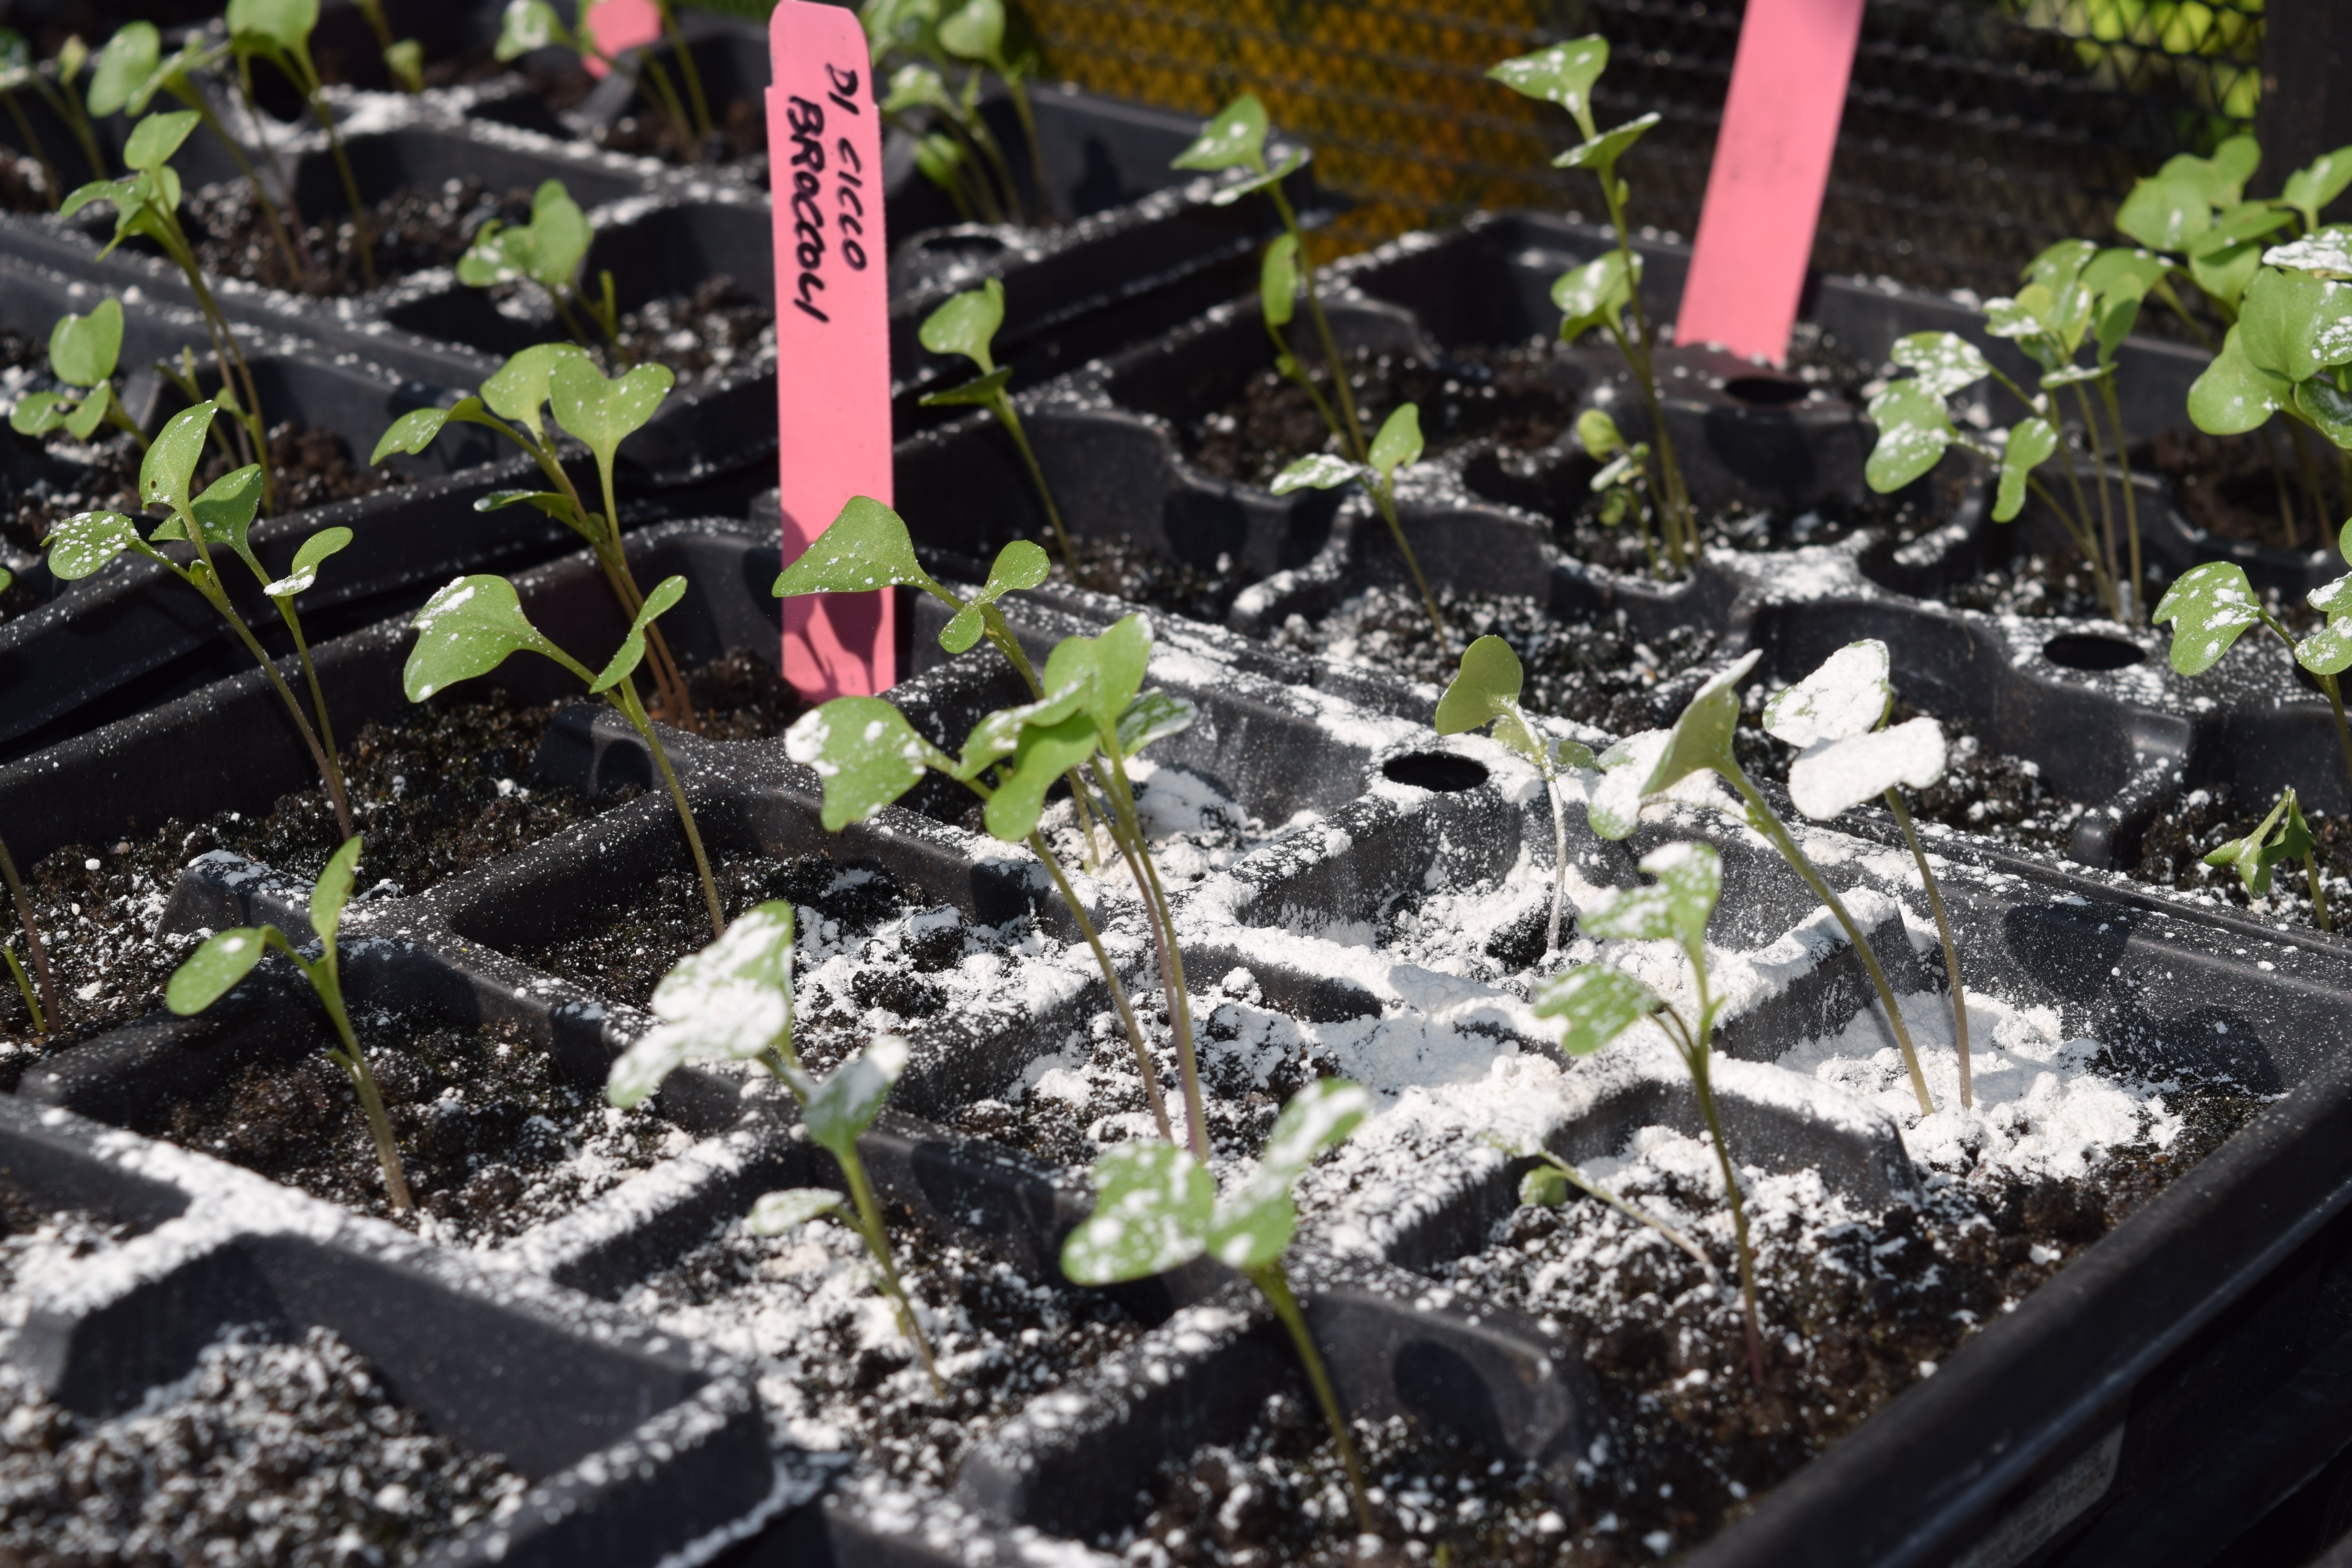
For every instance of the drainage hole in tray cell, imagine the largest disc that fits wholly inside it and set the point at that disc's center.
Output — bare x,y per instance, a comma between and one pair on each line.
2086,650
1766,391
1440,772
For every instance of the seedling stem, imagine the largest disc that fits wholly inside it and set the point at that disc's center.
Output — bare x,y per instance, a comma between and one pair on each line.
34,946
1276,1287
1944,931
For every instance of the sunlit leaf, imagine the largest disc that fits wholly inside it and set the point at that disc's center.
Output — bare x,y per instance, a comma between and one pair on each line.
1235,138
213,971
1595,1005
632,651
1562,74
1914,430
1486,689
865,753
866,547
967,324
1945,363
469,628
846,1104
87,540
1153,1206
781,1213
1675,907
2232,394
2210,607
304,571
1398,443
2032,442
172,455
1277,280
83,349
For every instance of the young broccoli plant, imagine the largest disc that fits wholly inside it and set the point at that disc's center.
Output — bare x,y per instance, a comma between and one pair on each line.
404,58
1157,1208
2211,606
43,1006
967,325
2281,836
547,250
1643,767
955,150
1398,445
83,354
733,1002
1487,691
214,968
18,70
1833,717
279,31
472,624
601,413
1596,1005
527,25
1546,1187
219,518
147,203
1091,717
1606,292
1623,482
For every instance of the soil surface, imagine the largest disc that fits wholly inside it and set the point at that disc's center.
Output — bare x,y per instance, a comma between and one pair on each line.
1136,572
411,230
716,328
492,1139
266,1454
739,132
2253,487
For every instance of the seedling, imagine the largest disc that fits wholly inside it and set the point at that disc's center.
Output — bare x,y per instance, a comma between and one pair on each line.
955,149
2211,606
132,69
1546,1187
148,202
599,412
82,353
527,25
220,518
1834,717
1092,715
547,250
1623,482
213,969
404,58
1487,691
1606,292
1157,1208
279,31
733,1002
2281,836
43,1007
17,70
1596,1005
470,628
2076,296
1398,445
1643,767
967,325
975,33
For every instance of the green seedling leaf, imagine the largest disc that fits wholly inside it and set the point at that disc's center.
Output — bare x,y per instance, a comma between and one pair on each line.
1595,1005
632,651
88,414
2253,856
2075,374
604,411
967,324
2247,220
2295,325
2328,650
469,628
730,1002
2334,598
1598,435
2013,318
983,390
781,1213
1319,1117
1673,907
2113,323
558,507
547,250
2224,271
417,429
1322,471
15,60
87,540
1041,755
1234,139
304,573
1833,775
2164,214
864,751
123,67
1592,295
83,349
1701,738
1113,662
1253,1225
213,971
916,87
1544,1188
1286,164
1398,443
1486,689
1153,1207
521,386
227,509
1019,564
333,890
1153,716
283,24
2032,442
1600,153
851,1097
529,25
2312,187
938,158
2232,163
1562,74
998,736
1945,363
976,32
2233,395
2120,270
866,547
2061,264
39,412
154,138
1849,695
1277,280
2210,607
1914,429
405,62
172,455
2328,406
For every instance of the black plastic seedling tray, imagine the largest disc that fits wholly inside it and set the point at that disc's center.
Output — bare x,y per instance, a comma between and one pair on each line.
2167,1362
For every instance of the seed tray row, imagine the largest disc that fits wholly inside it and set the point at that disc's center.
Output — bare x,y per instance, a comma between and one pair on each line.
2196,1315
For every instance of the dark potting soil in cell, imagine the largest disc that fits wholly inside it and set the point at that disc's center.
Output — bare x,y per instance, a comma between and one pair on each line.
1142,575
718,328
411,230
491,1141
2253,487
739,133
267,1454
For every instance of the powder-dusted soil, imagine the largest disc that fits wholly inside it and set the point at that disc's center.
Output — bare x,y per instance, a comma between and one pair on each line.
716,328
411,231
1143,576
739,133
266,1454
2253,487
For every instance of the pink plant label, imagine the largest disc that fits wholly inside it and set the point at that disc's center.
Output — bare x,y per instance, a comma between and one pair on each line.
1772,165
618,25
832,331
